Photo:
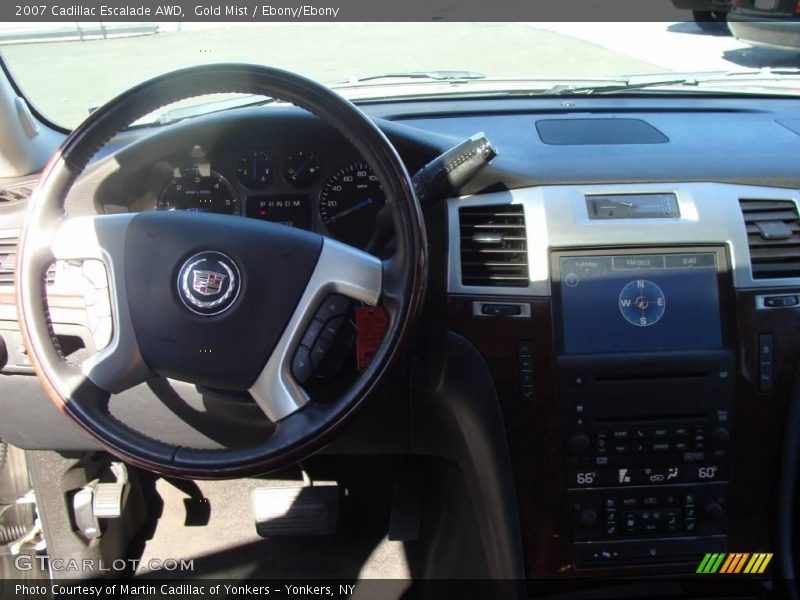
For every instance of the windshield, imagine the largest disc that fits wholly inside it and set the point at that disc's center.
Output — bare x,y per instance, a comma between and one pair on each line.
67,69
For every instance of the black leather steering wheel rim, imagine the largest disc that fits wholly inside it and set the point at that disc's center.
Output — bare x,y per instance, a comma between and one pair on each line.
309,428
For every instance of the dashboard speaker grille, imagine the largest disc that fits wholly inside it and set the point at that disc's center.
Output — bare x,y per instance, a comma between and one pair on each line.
773,235
494,247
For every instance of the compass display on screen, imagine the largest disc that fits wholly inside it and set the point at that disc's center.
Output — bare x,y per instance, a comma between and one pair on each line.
642,303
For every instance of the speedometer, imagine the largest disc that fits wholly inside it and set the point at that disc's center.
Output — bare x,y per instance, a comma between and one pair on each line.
349,204
190,190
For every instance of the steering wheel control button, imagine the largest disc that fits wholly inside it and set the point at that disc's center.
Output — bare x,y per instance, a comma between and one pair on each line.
319,351
311,334
301,365
333,306
208,283
331,328
319,337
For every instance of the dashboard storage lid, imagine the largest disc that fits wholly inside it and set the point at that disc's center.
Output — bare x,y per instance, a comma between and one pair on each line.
773,236
602,131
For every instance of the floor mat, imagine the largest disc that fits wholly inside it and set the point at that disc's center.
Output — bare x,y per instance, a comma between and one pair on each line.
227,545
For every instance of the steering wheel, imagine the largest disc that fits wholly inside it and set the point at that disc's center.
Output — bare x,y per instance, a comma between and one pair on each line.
221,301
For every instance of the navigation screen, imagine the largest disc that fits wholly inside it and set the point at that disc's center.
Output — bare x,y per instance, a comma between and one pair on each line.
640,302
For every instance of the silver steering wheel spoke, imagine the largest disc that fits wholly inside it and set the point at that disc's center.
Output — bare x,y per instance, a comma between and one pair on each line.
119,365
341,269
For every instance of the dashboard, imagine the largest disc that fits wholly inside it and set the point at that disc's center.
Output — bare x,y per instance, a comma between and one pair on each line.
634,312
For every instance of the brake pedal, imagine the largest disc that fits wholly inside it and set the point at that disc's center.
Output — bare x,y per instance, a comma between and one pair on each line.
296,511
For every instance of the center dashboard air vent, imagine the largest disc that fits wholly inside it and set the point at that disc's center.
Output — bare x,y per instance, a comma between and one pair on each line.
494,246
773,235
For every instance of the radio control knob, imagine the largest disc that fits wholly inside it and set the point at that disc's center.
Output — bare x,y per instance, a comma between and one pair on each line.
580,444
721,437
714,510
588,517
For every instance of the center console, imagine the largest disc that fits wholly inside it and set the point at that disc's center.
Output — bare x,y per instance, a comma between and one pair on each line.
646,382
644,352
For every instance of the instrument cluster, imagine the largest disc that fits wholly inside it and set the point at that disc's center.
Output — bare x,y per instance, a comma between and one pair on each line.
335,194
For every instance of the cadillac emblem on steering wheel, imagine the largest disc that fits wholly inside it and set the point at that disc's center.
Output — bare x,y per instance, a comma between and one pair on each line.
208,283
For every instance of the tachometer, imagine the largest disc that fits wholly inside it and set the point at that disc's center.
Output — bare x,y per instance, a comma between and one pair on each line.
190,190
349,204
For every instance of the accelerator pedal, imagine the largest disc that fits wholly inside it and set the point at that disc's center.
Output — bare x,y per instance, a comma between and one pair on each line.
297,511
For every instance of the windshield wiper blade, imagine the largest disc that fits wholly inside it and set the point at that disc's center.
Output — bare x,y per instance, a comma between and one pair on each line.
694,79
426,75
616,86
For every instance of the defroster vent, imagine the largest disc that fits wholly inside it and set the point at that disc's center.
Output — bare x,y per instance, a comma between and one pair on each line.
494,247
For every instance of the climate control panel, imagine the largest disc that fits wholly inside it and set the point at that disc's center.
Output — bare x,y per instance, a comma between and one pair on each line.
651,453
626,514
648,455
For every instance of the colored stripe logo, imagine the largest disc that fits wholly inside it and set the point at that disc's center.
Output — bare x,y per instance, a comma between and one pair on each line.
734,563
